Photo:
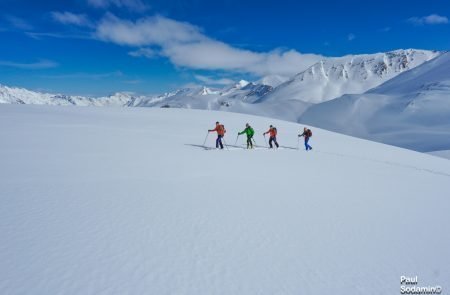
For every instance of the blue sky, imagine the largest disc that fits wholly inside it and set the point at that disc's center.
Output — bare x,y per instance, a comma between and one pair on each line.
96,47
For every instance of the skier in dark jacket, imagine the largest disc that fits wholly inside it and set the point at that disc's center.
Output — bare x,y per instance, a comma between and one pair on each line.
307,133
249,132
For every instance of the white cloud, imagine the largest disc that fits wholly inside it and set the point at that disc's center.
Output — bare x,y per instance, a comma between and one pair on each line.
69,18
144,52
96,76
133,5
18,22
42,64
351,37
41,35
211,81
155,30
432,19
185,45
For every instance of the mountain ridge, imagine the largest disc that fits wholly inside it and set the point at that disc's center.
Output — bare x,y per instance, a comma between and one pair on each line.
276,88
351,74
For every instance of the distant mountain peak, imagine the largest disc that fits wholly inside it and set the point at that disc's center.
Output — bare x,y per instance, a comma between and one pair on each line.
242,83
352,74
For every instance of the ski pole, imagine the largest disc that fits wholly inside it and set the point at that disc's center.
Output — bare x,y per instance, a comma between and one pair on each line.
225,143
298,142
204,142
265,139
237,137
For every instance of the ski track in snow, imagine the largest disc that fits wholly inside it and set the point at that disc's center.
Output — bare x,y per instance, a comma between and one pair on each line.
390,163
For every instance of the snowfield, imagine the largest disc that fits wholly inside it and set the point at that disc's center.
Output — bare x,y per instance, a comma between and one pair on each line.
126,201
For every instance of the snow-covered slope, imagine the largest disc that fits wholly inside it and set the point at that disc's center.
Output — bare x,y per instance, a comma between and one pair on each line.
351,74
411,110
273,80
443,154
126,201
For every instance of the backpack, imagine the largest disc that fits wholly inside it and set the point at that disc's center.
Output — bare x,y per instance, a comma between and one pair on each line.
309,132
251,131
223,128
274,130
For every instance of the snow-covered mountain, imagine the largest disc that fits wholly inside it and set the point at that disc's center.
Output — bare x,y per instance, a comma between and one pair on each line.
200,97
129,202
334,77
412,110
323,81
14,95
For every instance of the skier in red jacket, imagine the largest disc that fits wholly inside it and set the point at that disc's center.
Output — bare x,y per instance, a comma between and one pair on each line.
272,136
220,129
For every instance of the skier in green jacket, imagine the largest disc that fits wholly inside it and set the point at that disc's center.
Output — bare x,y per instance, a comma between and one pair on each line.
249,132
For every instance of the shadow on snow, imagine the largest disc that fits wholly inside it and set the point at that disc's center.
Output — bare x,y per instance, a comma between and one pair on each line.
243,147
